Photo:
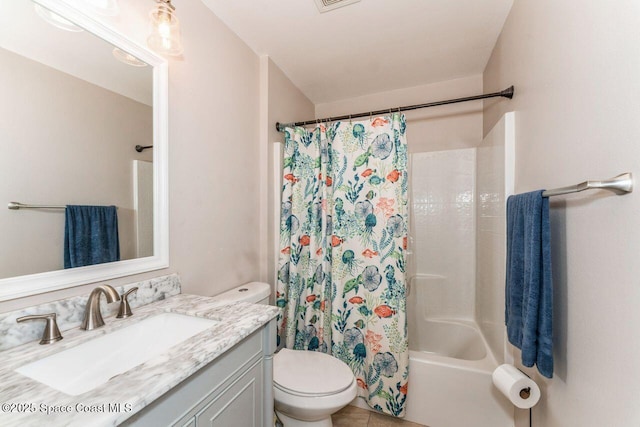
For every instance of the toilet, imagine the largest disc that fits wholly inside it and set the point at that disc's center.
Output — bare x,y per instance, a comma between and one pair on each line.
308,386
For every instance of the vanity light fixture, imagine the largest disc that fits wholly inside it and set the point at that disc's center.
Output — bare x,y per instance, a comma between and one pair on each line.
55,19
165,29
127,58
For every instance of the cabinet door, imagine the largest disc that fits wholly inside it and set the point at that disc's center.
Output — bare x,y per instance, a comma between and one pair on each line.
239,405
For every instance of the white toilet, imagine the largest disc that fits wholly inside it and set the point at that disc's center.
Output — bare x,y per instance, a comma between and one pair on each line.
308,386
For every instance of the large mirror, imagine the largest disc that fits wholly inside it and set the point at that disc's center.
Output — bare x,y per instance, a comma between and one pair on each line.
76,102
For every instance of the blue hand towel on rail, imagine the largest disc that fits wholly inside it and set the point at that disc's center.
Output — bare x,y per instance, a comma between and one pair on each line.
529,291
90,235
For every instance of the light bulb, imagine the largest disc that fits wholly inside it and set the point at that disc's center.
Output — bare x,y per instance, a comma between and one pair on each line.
165,30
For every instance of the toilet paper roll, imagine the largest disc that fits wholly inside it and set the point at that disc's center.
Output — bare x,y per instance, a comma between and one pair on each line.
521,390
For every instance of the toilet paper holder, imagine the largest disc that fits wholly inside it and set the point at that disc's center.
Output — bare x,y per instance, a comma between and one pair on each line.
517,386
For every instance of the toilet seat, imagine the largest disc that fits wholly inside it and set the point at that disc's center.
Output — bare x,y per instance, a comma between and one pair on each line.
310,373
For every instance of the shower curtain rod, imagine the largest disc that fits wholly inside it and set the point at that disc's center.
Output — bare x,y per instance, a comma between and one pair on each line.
507,93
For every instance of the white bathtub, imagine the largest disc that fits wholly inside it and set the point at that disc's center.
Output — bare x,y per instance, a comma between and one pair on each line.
450,371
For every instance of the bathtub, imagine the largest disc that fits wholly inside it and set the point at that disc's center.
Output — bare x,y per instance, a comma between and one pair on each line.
450,367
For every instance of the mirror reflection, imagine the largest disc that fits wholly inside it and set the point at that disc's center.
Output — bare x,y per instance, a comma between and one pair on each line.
71,115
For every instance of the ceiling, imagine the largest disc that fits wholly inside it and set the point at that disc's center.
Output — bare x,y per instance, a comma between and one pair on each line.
370,46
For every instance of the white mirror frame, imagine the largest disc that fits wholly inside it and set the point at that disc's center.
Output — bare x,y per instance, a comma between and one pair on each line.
22,286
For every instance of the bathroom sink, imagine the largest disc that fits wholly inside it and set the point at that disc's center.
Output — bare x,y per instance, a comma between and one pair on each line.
82,368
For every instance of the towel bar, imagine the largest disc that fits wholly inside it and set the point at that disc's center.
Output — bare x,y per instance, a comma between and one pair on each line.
621,184
16,206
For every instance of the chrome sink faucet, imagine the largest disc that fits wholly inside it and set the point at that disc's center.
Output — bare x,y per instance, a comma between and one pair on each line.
92,316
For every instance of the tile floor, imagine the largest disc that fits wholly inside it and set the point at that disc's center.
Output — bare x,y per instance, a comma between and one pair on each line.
351,416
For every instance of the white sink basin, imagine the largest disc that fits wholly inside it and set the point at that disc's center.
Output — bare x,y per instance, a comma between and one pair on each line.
82,368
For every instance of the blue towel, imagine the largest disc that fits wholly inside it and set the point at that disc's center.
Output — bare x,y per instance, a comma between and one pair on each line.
529,291
90,235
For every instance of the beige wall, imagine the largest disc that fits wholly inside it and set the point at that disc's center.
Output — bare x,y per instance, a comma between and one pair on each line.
281,101
431,129
63,141
576,68
214,155
213,160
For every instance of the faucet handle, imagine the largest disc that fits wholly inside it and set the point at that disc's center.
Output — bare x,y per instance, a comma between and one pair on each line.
125,308
51,332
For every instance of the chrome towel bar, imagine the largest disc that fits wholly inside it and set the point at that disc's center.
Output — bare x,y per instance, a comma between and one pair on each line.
621,184
16,205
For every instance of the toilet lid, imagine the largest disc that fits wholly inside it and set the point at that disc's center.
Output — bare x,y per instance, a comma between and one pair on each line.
310,373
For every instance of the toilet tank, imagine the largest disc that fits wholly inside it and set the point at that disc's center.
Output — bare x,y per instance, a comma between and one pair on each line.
253,292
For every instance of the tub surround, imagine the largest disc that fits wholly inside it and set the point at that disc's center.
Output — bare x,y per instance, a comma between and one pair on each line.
137,388
70,311
456,338
455,310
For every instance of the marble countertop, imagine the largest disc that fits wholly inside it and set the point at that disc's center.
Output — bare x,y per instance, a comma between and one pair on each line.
25,402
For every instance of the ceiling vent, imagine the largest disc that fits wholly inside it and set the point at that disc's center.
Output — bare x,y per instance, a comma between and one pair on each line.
327,5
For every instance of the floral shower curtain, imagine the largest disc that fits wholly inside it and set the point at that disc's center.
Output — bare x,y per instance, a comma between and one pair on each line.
341,279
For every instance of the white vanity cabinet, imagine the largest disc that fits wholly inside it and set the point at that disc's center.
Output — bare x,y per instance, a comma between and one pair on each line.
236,389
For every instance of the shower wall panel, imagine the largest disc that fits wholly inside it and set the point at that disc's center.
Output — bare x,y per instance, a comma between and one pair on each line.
444,230
494,181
